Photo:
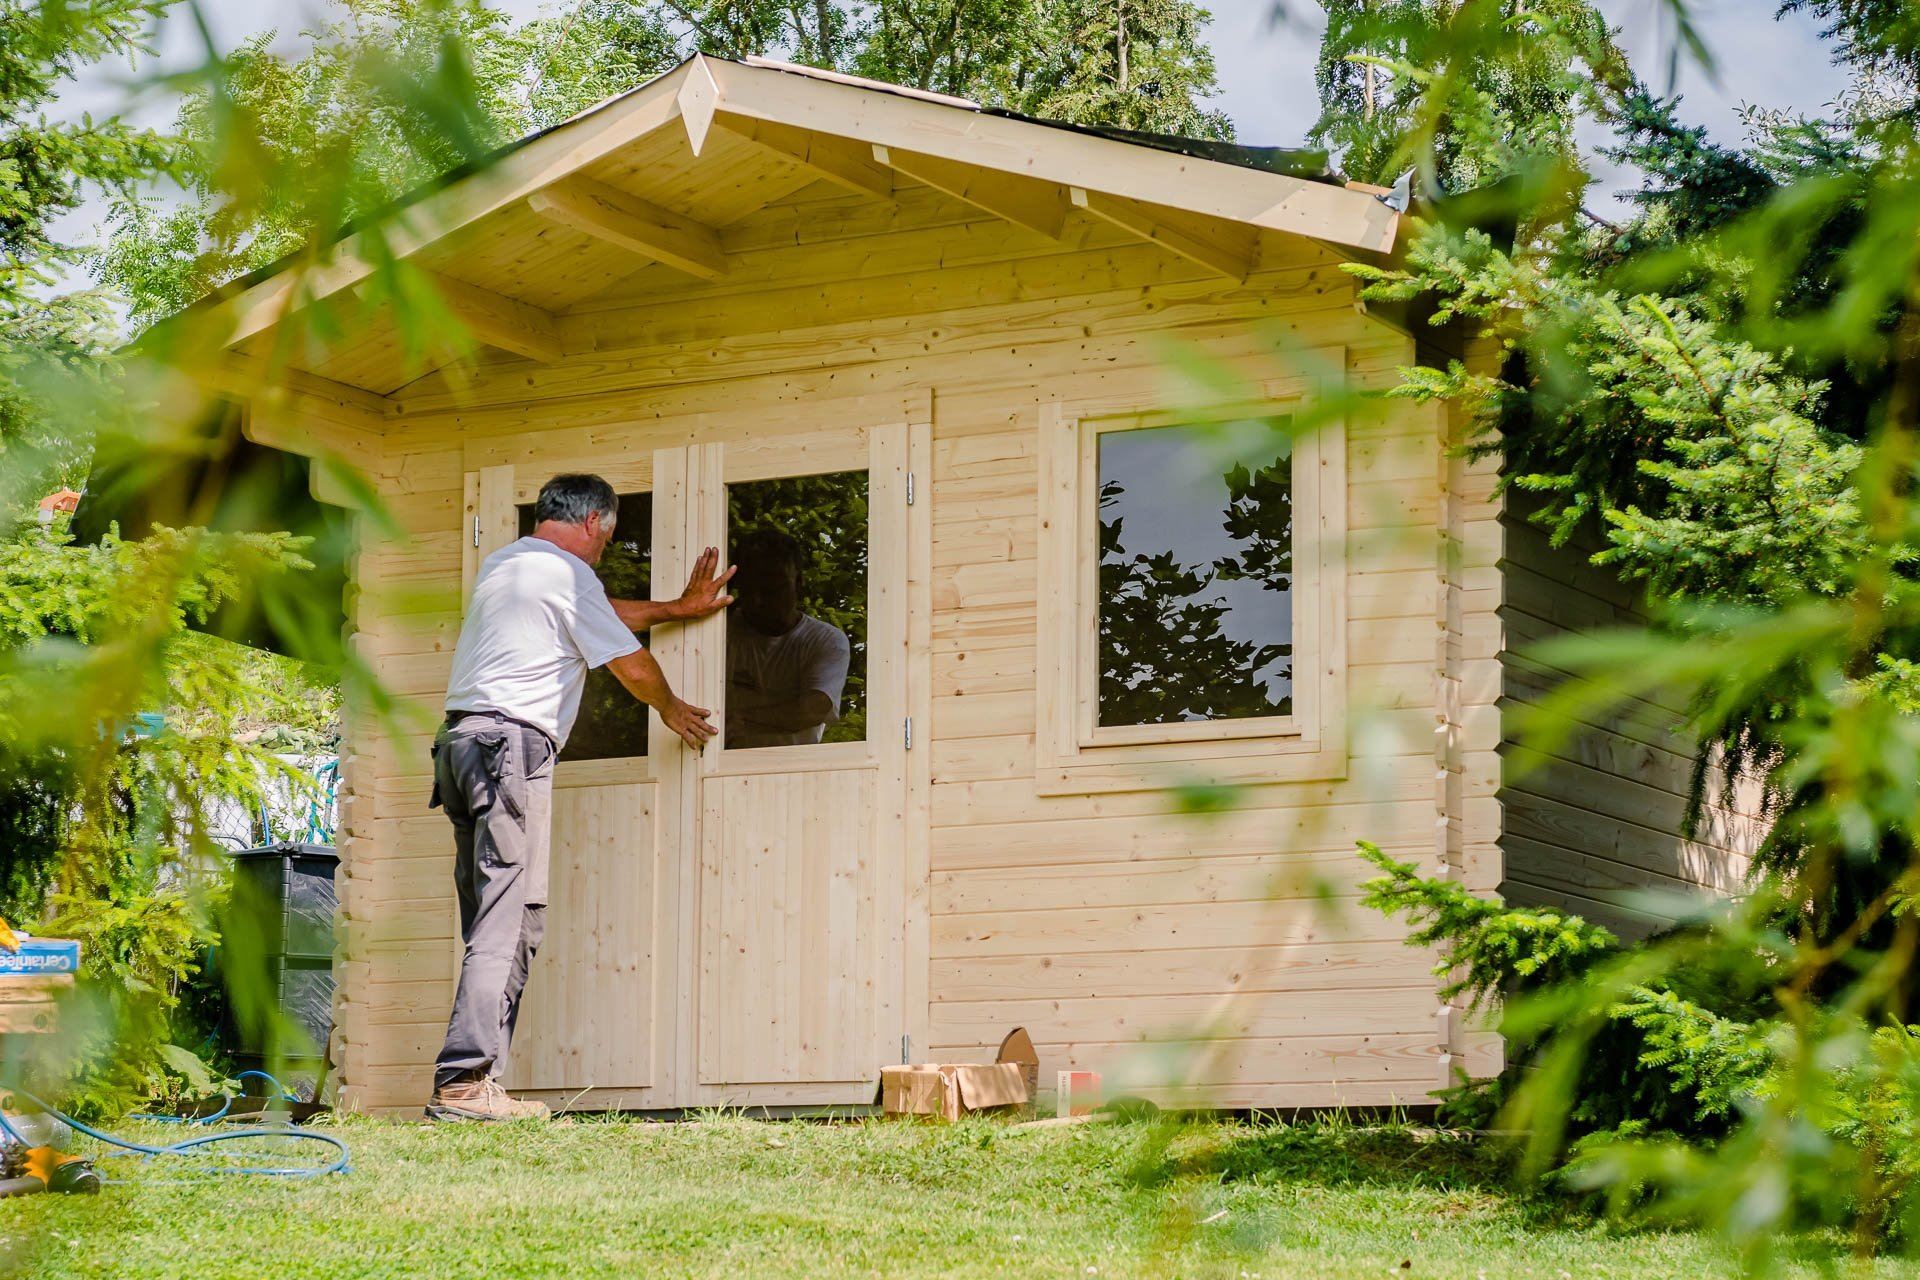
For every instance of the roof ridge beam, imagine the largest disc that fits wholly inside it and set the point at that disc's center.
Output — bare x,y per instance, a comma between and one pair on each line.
1026,202
503,323
636,225
1225,248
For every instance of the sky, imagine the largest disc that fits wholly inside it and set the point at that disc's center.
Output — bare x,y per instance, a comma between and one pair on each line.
1265,66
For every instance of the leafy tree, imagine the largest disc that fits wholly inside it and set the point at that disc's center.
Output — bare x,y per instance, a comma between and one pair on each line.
327,112
47,166
1725,390
1468,93
979,49
593,52
1131,64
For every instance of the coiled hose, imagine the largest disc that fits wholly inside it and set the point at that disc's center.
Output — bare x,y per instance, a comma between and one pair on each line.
203,1145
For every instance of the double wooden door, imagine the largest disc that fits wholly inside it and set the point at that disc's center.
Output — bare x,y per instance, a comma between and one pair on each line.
728,926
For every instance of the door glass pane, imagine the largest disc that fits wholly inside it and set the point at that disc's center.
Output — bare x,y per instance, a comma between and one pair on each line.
797,630
613,723
1195,574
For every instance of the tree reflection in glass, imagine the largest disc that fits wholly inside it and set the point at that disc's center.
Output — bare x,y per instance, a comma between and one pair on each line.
802,539
1195,576
613,723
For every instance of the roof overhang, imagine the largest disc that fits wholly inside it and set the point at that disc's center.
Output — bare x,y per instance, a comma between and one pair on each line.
856,133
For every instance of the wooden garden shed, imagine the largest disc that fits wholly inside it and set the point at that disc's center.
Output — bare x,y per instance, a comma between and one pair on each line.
1032,403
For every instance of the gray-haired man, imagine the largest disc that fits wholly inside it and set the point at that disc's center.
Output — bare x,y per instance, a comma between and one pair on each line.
538,622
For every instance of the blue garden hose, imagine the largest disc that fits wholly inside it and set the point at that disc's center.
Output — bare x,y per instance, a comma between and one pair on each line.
198,1146
226,1103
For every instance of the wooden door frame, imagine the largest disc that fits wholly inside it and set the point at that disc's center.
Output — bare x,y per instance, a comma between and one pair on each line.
687,481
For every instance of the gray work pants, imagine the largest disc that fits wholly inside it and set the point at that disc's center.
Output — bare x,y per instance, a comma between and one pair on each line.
494,775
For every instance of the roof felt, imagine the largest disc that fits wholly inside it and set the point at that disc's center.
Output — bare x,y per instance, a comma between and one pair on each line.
1293,162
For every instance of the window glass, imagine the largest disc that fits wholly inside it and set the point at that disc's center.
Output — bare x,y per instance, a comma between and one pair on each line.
613,723
797,630
1195,573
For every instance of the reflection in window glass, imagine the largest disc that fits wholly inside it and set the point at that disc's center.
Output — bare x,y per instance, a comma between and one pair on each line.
613,723
797,630
1196,574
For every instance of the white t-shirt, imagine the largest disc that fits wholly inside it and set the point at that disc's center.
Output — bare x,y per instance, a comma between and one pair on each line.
811,655
538,623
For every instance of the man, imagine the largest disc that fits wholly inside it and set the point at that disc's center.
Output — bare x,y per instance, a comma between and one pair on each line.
785,668
538,622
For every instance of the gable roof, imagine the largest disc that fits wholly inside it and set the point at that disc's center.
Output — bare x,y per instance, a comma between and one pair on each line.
657,171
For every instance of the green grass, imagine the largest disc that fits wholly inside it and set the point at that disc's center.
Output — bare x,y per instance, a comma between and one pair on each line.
736,1198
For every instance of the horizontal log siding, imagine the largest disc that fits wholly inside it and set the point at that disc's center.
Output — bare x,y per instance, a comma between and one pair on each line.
1105,923
1594,828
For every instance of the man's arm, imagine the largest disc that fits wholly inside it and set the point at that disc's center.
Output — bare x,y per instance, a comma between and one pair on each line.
705,594
642,676
786,712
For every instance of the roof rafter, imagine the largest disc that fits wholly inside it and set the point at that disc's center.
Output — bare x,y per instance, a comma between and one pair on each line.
1225,248
637,225
495,320
250,377
847,164
1025,202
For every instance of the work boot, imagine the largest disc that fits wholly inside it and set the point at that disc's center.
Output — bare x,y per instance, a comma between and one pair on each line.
479,1099
526,1108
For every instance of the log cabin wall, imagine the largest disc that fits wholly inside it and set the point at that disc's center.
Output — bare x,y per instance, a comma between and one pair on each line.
1102,920
1595,828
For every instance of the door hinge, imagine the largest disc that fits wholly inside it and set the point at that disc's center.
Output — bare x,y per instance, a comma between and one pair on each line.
909,488
476,531
907,734
906,1049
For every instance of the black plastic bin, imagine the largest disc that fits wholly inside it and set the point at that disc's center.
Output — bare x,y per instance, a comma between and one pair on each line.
284,896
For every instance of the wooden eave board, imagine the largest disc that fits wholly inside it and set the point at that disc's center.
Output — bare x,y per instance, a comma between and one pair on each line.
1274,201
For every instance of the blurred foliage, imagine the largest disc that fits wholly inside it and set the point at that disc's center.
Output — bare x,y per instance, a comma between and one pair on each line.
108,820
1721,391
123,729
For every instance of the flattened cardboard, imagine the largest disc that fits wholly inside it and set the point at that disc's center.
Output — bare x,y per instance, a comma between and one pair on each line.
1001,1084
952,1089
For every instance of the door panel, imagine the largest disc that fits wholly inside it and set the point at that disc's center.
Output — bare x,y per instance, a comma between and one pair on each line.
588,1020
731,926
789,943
802,845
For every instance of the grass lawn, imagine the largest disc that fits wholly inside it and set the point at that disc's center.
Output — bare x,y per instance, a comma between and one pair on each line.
737,1198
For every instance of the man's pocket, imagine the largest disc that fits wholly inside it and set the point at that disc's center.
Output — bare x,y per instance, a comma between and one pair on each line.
503,766
434,798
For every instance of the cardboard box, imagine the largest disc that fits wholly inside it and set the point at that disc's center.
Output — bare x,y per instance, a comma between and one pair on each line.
950,1090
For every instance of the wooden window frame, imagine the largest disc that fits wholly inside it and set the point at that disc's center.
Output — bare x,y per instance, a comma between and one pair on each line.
1073,753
